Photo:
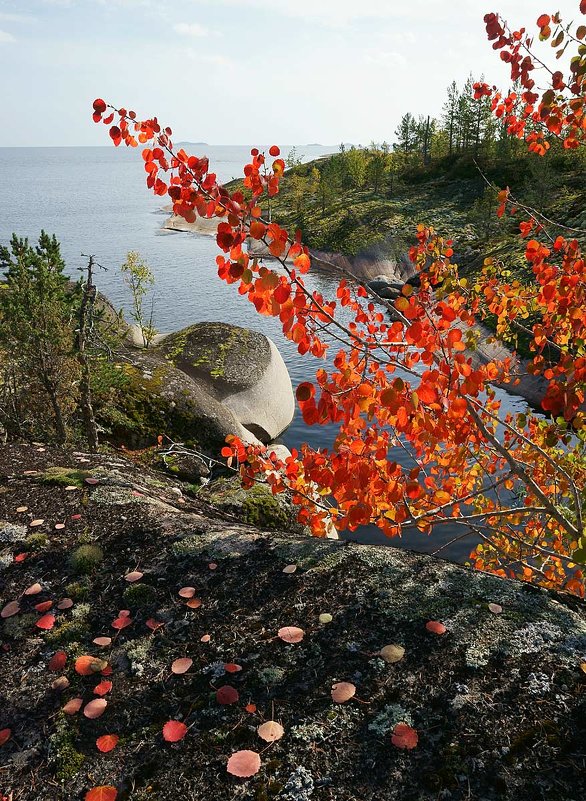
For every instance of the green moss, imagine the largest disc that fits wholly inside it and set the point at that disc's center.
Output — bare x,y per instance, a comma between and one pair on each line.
20,626
64,477
64,757
140,595
261,508
36,542
68,632
86,558
77,590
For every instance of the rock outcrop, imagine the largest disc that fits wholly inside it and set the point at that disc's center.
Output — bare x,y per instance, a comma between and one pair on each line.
497,700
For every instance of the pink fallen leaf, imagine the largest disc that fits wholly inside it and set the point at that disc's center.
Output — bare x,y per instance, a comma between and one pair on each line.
232,667
75,517
435,627
194,603
244,764
153,624
174,730
291,634
11,608
403,736
103,642
59,526
227,695
205,638
46,622
44,606
343,691
187,592
36,523
136,575
121,623
496,609
34,589
270,731
73,706
290,569
22,509
65,603
95,709
91,482
181,665
124,613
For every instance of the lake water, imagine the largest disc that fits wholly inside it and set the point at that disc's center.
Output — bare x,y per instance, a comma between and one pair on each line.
94,199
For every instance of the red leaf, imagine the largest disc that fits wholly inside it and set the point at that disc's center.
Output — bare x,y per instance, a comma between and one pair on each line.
404,736
102,793
46,622
274,151
232,667
73,706
107,742
103,688
44,606
227,695
173,731
435,627
57,661
87,665
99,105
291,634
5,735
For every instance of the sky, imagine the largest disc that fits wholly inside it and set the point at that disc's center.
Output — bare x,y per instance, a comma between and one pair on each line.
242,71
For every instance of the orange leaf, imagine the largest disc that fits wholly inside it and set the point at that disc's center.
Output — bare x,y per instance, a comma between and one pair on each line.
173,731
107,742
404,736
102,793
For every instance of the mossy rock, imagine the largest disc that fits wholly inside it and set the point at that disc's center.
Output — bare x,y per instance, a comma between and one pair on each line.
140,595
256,506
64,477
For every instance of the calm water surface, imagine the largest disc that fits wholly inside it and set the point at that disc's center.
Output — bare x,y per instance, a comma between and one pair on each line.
94,199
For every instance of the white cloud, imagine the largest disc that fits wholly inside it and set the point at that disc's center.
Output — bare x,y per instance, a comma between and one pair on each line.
190,29
386,59
6,37
18,18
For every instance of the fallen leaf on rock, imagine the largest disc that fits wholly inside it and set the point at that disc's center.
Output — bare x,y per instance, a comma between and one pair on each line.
291,634
205,638
136,575
250,708
46,622
107,742
73,706
227,695
403,736
392,653
181,665
21,557
57,661
290,569
244,764
121,623
44,606
232,667
87,665
75,517
30,472
22,509
5,735
435,627
11,608
270,731
91,482
59,526
103,642
187,592
65,603
34,589
153,624
124,613
194,603
103,688
496,609
71,488
37,523
174,730
102,793
95,709
60,683
325,618
343,691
